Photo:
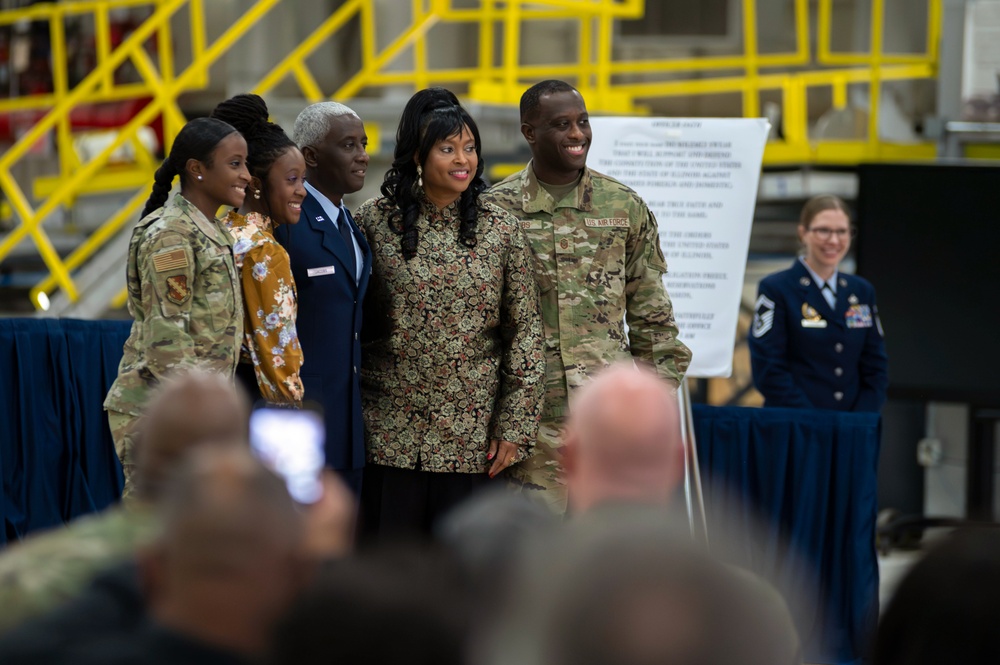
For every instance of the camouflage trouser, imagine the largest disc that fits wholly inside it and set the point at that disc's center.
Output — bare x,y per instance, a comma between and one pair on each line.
123,430
540,476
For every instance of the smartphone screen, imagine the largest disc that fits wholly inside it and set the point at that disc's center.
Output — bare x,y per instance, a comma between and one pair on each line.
291,443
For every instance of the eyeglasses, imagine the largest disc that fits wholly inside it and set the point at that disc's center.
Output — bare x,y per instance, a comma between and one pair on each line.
824,233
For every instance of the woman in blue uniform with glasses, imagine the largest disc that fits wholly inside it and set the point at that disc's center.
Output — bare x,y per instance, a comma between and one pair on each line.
816,341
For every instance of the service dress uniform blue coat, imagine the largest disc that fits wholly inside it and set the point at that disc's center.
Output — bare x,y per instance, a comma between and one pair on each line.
329,327
805,354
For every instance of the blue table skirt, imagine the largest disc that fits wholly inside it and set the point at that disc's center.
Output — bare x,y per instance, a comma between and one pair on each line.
57,459
795,489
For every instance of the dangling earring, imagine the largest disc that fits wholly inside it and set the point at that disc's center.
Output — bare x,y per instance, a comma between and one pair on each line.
420,176
256,194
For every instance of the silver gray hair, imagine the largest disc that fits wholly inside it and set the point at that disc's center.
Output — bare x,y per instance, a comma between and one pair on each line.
313,122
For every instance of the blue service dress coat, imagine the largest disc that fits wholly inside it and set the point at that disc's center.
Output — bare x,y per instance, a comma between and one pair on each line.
329,328
806,355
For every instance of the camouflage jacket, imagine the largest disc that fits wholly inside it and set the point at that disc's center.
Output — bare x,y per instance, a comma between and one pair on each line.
598,265
51,567
184,294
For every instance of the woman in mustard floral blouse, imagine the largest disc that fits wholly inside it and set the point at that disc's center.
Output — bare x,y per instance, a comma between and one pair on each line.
271,357
452,362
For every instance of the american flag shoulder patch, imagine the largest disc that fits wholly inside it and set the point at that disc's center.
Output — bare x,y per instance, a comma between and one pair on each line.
173,259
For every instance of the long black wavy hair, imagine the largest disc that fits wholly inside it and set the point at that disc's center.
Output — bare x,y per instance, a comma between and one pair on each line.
431,115
266,141
196,140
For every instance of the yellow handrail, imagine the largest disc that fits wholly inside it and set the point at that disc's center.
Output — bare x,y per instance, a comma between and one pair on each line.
31,218
165,89
167,96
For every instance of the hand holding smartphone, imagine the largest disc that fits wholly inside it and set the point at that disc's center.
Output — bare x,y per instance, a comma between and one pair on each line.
290,442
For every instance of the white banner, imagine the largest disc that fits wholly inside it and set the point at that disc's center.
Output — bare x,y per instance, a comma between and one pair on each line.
981,57
699,177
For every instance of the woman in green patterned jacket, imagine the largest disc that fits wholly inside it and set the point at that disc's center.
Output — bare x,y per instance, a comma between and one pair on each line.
452,362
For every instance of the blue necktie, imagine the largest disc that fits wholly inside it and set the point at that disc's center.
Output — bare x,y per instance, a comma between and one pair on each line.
830,295
345,232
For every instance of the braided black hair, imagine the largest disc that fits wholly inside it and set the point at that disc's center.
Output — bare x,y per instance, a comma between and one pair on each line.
266,141
196,140
431,115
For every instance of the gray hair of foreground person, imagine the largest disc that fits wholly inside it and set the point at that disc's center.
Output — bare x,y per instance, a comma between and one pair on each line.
622,441
625,586
227,563
485,535
189,409
313,122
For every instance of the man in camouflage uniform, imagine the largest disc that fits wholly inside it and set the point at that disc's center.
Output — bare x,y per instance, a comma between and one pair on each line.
598,262
184,294
195,410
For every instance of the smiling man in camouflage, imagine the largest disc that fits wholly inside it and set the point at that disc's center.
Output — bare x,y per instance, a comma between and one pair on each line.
598,264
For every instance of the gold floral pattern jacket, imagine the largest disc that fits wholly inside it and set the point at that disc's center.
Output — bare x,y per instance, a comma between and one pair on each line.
270,341
451,343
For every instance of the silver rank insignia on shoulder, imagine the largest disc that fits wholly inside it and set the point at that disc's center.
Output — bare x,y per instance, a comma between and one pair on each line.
804,281
843,282
763,316
853,299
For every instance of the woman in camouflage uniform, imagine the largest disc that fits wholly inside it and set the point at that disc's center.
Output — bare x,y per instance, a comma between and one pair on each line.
183,289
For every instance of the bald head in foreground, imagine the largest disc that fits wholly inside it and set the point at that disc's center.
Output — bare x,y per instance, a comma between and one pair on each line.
622,583
623,586
622,441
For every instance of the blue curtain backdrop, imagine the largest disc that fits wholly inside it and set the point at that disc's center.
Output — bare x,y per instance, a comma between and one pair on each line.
57,459
795,490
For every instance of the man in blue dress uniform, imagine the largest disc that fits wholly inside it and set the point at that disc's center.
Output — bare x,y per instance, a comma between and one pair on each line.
331,263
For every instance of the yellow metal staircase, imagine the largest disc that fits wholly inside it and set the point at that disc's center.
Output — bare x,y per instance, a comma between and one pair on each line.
496,74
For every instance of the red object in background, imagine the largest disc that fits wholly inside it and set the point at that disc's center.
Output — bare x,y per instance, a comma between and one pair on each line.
105,115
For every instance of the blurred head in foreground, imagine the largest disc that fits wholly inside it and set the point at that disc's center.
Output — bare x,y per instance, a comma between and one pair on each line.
384,607
622,441
623,586
228,561
189,410
945,610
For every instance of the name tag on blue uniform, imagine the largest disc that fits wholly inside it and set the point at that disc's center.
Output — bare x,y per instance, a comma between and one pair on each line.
859,316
